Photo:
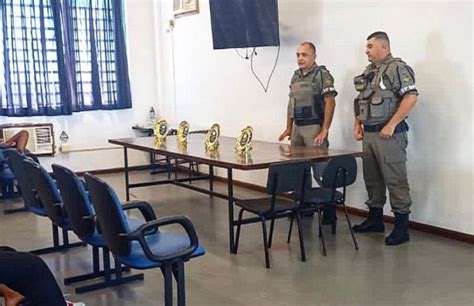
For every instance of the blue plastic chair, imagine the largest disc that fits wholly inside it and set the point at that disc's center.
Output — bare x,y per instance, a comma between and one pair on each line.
15,160
48,202
81,215
146,247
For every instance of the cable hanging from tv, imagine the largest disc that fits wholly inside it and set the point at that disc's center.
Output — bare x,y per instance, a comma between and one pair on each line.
251,57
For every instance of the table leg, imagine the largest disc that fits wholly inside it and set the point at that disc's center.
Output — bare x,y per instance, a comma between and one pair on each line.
127,183
211,178
231,210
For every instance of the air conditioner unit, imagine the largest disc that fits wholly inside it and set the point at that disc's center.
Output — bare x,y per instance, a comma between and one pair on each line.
41,138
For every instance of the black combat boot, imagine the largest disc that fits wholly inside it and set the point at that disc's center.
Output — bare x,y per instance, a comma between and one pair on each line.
374,222
399,234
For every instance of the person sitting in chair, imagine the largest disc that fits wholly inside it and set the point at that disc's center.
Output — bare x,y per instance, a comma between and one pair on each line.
25,278
19,141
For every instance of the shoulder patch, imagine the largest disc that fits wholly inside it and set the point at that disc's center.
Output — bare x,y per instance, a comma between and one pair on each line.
327,78
406,77
327,82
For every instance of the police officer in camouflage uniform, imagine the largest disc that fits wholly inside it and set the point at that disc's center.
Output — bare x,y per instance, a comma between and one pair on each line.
387,94
310,107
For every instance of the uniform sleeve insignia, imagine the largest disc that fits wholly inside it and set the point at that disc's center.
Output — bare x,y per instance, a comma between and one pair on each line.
406,78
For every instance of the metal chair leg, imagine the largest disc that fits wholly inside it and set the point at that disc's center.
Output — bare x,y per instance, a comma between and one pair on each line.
65,236
168,276
350,227
106,259
108,281
180,283
270,238
95,259
55,235
237,235
321,232
265,242
300,233
57,247
289,231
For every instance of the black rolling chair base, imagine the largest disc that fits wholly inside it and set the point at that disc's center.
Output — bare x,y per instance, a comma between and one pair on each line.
59,248
110,283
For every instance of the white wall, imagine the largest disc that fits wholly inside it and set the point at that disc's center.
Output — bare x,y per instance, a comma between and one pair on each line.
434,37
89,130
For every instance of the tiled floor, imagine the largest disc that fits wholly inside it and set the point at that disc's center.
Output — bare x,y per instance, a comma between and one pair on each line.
427,271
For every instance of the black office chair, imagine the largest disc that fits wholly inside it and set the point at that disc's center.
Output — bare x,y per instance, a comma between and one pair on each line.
46,191
282,178
81,215
340,172
147,247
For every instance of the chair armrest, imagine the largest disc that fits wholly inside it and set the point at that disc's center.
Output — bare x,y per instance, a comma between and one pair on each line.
59,207
139,235
37,200
96,222
144,207
93,219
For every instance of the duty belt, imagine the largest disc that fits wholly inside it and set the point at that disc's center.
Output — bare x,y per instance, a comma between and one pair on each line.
401,127
303,122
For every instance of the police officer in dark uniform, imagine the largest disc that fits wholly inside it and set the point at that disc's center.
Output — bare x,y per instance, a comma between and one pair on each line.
310,107
387,94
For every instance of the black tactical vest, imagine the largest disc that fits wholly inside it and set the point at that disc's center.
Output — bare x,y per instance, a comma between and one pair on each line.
377,100
305,93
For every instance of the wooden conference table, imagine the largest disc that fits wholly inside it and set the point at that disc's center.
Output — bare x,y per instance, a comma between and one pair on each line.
262,155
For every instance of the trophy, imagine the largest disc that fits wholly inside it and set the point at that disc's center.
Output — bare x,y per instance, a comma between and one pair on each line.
182,147
160,130
183,131
212,138
243,145
213,154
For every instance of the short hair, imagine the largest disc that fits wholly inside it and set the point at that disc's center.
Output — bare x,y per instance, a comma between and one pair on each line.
310,45
379,35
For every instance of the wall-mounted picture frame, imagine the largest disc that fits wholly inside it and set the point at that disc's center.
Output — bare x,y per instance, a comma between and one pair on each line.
185,7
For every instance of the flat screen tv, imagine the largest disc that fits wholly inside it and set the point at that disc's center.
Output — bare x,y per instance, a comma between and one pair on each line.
244,23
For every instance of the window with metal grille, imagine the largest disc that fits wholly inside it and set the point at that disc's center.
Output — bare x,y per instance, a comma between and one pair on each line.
62,56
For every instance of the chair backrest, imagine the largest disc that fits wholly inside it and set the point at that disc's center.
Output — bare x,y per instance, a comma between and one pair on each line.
77,204
15,161
341,171
46,190
110,215
288,177
5,171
